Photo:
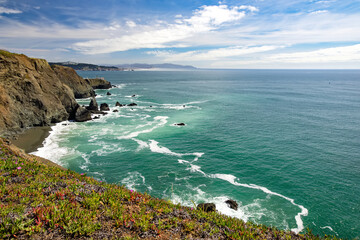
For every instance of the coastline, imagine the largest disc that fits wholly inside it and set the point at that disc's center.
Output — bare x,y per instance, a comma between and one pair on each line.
32,139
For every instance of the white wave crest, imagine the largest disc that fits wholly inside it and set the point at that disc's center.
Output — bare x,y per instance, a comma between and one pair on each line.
304,212
159,121
51,149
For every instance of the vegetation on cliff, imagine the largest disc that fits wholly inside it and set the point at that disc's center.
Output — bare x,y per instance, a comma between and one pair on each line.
40,201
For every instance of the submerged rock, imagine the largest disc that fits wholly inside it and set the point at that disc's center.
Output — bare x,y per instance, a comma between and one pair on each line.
133,95
207,207
104,107
108,93
132,104
232,204
180,124
116,110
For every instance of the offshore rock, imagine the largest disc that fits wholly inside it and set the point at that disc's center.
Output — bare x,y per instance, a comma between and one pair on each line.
232,204
93,106
104,107
207,207
132,104
119,104
82,115
180,124
108,93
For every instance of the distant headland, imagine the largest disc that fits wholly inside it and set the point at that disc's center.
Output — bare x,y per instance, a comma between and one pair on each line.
122,67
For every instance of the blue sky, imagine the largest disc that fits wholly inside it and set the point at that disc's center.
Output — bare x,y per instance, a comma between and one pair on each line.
210,34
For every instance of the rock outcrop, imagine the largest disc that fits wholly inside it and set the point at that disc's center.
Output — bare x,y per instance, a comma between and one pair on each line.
80,87
31,94
93,106
98,83
232,204
104,107
82,114
34,94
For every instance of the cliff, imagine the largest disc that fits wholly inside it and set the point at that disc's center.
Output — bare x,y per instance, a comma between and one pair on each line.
68,76
34,94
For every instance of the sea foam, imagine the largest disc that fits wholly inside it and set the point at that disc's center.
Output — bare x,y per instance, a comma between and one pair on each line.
304,212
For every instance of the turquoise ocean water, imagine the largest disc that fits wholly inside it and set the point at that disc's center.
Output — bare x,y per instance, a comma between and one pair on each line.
285,144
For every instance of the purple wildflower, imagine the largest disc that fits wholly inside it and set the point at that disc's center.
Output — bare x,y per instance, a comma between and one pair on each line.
81,173
18,168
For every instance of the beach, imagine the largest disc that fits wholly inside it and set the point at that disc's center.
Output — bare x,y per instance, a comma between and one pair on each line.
32,138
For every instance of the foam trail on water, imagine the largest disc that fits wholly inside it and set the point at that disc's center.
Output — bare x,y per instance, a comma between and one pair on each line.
142,144
154,147
162,120
304,212
330,228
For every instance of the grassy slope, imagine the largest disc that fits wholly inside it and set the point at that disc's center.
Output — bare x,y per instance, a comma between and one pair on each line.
39,201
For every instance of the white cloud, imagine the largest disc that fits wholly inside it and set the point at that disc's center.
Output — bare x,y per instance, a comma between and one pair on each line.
213,54
335,54
347,57
9,11
205,19
319,12
250,8
131,24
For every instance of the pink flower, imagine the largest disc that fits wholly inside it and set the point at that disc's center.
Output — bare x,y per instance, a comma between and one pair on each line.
131,190
18,168
81,173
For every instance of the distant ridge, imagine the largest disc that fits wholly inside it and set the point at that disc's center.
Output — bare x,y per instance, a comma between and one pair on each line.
121,67
150,66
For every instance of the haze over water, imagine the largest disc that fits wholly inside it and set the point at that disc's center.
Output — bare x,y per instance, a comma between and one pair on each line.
285,144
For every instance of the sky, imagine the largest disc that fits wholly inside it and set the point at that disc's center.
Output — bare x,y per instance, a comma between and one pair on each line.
234,34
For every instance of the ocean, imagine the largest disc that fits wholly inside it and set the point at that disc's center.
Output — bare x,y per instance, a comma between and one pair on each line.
284,144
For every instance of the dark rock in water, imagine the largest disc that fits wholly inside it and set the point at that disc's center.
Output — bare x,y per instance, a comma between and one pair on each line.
113,86
183,105
119,104
64,124
132,104
232,204
96,117
207,207
116,110
93,106
82,115
133,95
150,106
180,124
104,107
108,93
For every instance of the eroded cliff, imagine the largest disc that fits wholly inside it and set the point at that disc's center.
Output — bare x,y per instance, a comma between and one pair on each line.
32,93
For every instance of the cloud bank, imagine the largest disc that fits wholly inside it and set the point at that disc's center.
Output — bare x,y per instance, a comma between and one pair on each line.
205,19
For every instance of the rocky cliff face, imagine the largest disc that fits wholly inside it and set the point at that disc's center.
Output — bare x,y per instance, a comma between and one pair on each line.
98,83
81,88
32,93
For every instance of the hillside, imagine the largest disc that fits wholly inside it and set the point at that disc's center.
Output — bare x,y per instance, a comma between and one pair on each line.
40,200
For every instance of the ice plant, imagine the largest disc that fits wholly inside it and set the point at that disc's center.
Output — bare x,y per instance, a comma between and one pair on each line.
18,168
